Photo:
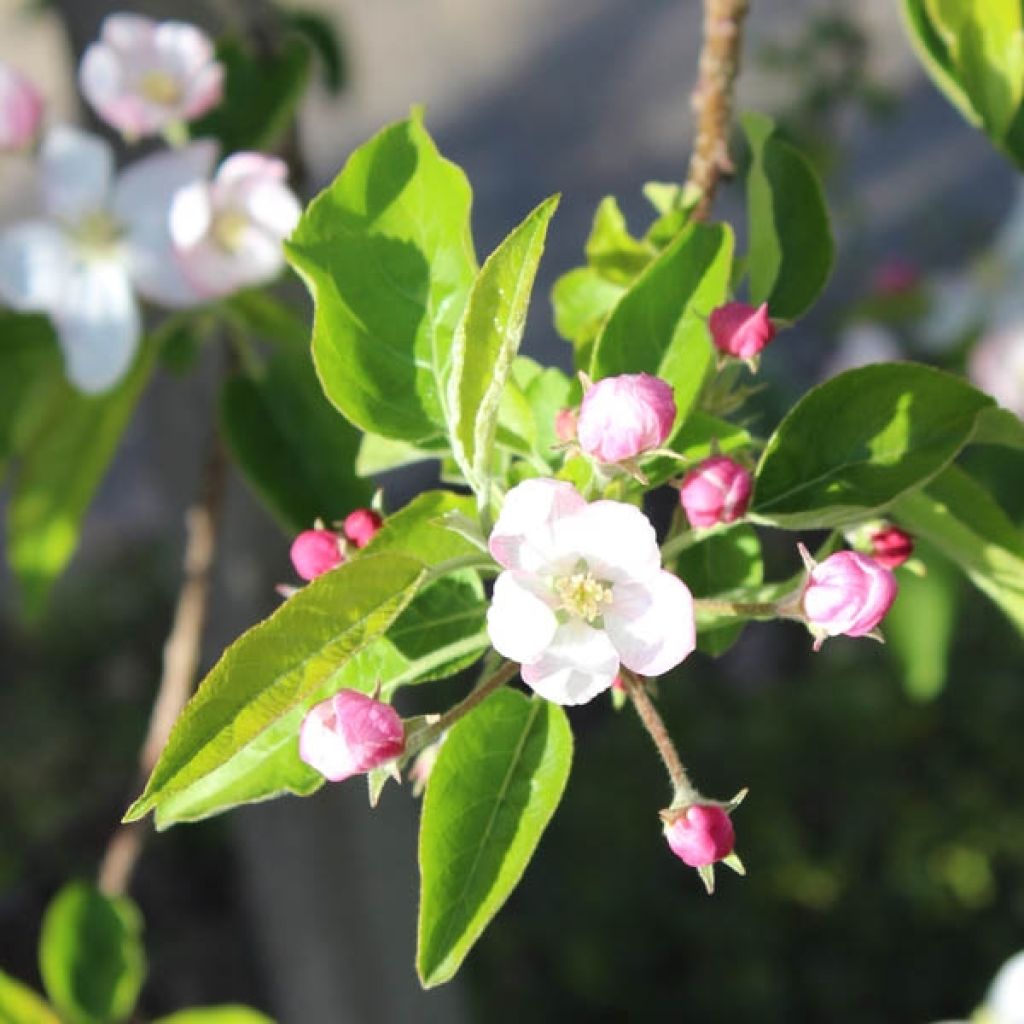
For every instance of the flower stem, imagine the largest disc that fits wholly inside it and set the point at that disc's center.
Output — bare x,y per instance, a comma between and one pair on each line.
746,609
712,99
180,658
684,790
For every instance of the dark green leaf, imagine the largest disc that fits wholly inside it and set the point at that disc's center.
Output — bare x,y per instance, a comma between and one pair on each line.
91,956
861,440
999,427
496,784
322,35
387,255
791,249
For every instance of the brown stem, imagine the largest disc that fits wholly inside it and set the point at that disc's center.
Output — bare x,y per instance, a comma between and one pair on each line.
746,609
684,790
180,658
712,99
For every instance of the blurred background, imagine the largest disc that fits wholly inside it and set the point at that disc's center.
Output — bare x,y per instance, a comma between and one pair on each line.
884,832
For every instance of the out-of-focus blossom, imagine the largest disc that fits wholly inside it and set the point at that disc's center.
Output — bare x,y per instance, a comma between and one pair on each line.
861,345
583,591
314,552
104,239
996,365
227,233
1005,1000
895,276
361,526
21,110
565,425
741,330
622,417
145,77
716,491
350,734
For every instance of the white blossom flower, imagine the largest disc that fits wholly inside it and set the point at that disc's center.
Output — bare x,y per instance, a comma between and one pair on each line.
1005,1001
103,239
145,77
227,233
996,365
583,592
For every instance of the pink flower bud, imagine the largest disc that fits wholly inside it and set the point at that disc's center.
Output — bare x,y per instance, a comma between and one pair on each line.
891,547
21,109
361,526
350,734
315,552
618,685
740,330
716,491
848,594
895,276
623,416
565,425
702,835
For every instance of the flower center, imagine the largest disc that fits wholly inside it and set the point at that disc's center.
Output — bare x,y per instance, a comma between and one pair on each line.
582,595
228,229
160,87
96,232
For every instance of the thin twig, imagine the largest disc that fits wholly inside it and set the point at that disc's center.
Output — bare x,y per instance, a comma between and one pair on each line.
180,657
712,99
684,792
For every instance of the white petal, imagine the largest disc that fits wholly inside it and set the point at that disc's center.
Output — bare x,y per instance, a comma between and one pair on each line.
191,215
520,623
142,202
76,169
616,541
522,535
651,624
579,664
97,324
274,208
35,260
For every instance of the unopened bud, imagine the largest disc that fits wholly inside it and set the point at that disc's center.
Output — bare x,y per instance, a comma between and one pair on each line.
361,525
21,109
741,330
315,552
849,594
622,417
701,835
891,547
716,491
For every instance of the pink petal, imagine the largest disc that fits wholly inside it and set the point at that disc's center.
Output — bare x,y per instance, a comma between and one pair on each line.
651,624
521,538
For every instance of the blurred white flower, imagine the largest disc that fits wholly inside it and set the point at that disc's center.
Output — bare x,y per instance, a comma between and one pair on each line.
860,345
1005,1001
145,77
996,365
103,239
227,233
21,110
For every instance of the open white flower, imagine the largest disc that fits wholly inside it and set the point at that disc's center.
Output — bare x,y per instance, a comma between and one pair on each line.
583,591
228,233
144,77
103,239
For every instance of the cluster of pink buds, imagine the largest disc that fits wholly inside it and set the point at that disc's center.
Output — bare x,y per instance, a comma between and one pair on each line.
349,734
741,330
316,551
21,110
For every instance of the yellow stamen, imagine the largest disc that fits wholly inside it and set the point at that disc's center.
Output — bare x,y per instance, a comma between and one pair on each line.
160,87
228,228
582,595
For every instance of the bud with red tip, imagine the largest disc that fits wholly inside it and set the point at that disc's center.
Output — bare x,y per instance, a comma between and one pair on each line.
624,416
315,552
701,835
891,546
349,734
21,110
716,491
849,594
361,525
565,425
741,330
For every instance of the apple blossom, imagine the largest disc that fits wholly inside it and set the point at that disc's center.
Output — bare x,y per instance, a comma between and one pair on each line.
21,109
583,592
891,546
104,239
145,77
315,552
227,233
624,416
996,365
349,734
848,593
702,834
361,525
741,330
716,491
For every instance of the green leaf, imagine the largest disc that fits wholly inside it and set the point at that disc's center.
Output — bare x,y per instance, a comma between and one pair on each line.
417,530
919,626
91,956
660,324
856,443
496,784
295,449
999,427
791,248
21,1005
386,253
582,300
261,94
62,460
720,563
965,524
216,1015
323,37
380,454
699,437
611,250
487,340
267,679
